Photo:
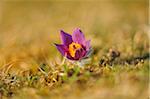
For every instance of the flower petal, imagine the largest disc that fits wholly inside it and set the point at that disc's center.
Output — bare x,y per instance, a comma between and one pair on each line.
61,48
87,44
88,53
66,38
69,57
79,54
78,36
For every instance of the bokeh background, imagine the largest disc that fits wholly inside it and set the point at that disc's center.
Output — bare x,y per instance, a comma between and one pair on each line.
28,29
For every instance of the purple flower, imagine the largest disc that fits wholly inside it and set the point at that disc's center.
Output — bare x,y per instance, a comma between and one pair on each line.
74,46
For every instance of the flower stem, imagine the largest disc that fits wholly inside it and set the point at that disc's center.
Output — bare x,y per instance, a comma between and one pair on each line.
64,59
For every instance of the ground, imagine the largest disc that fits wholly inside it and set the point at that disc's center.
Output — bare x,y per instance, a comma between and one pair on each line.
31,66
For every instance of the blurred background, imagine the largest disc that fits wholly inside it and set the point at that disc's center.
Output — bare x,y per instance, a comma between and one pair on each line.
30,63
28,28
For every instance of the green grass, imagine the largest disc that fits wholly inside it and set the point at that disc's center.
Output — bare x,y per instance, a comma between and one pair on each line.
72,81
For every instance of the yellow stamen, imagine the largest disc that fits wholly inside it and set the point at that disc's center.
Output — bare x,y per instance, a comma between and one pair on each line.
73,47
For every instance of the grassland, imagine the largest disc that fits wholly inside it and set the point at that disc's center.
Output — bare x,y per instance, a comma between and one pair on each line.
30,65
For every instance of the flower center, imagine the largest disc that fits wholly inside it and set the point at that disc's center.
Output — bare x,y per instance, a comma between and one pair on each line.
73,47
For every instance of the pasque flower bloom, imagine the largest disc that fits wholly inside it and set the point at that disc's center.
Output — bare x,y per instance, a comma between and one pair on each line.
74,47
